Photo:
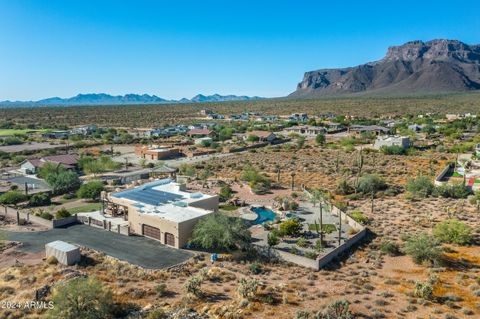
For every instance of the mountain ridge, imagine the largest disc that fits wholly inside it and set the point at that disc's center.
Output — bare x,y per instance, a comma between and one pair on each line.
93,99
416,66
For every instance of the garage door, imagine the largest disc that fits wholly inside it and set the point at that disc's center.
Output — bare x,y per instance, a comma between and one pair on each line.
150,231
169,239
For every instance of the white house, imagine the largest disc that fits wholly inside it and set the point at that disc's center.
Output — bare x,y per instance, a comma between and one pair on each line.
393,140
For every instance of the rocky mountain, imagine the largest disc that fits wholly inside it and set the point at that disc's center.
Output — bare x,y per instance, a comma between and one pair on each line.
128,99
414,67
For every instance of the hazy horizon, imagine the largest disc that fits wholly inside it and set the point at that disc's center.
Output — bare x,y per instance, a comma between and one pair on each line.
177,50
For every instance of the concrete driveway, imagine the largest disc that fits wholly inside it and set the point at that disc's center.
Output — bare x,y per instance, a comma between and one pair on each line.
137,250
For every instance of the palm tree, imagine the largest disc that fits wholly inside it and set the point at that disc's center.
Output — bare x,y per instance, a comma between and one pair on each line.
292,174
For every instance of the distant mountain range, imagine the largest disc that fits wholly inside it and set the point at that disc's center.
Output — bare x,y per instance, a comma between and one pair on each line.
414,67
128,99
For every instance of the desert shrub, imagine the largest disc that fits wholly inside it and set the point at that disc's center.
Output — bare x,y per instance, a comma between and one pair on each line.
82,298
193,286
369,183
257,182
52,260
389,248
359,217
40,199
255,268
218,232
423,290
393,150
455,190
247,288
46,215
311,254
157,314
225,193
291,227
453,231
423,248
161,289
302,242
337,310
421,186
62,213
343,188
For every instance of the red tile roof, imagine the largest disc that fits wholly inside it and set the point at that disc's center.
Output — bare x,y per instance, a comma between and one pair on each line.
200,131
260,134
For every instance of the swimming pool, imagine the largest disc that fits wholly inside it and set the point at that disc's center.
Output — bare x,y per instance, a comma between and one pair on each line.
263,215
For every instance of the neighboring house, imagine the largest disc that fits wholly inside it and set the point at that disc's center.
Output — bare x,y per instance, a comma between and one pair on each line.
402,141
266,118
203,140
84,130
415,127
333,127
306,130
298,117
206,112
156,153
215,116
56,134
201,132
373,129
263,136
163,210
389,123
31,166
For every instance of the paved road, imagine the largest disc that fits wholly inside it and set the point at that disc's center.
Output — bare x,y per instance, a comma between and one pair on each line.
137,250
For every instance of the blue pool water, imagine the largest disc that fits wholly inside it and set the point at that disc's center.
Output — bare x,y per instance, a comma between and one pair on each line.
263,215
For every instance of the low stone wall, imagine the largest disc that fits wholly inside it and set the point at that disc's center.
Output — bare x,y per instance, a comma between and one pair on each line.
298,260
326,259
438,179
57,223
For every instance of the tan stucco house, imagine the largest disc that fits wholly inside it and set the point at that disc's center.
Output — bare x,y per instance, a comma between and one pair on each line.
163,210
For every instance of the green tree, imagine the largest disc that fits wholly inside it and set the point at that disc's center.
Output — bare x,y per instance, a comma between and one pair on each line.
84,298
320,139
453,231
91,190
12,198
423,248
218,232
225,193
63,182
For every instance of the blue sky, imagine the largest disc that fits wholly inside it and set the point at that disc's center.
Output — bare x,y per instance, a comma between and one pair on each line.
177,49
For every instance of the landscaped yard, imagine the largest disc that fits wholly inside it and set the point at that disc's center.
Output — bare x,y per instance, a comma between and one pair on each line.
327,228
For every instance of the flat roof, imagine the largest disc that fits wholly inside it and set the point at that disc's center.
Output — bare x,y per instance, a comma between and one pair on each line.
62,246
163,198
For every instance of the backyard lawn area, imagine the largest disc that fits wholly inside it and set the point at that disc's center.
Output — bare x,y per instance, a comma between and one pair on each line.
228,208
90,207
11,132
